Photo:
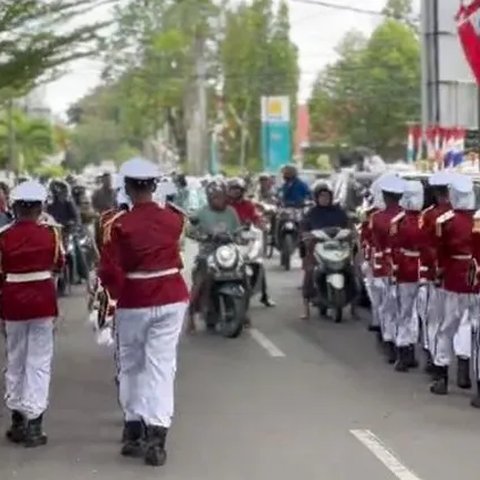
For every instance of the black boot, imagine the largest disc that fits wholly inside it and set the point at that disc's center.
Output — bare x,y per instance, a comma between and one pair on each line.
16,433
440,381
374,328
429,367
463,373
475,402
155,454
390,352
34,436
401,365
267,301
133,433
411,359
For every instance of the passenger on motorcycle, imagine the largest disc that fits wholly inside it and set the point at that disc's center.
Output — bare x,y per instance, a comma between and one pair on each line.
323,214
248,215
265,190
216,217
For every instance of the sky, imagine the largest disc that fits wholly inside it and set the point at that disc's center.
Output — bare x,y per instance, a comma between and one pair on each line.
316,31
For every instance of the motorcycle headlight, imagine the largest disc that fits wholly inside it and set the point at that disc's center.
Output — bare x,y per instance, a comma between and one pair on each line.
226,256
289,225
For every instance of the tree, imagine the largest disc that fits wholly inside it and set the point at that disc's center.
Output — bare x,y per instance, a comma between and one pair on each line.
257,58
33,141
398,9
372,91
35,38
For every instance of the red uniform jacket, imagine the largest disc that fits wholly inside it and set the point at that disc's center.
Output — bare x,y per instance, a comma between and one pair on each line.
145,239
407,240
381,248
366,234
29,247
455,250
246,211
476,251
429,256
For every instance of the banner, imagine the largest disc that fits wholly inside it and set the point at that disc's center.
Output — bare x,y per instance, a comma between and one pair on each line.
276,133
468,24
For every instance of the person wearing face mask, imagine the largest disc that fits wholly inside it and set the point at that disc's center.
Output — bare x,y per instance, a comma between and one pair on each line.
392,188
324,214
294,192
407,240
454,239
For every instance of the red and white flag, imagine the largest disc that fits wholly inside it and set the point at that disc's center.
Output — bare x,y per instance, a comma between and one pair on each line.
468,24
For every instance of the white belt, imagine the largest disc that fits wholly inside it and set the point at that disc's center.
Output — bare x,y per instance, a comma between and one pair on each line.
28,277
410,253
156,274
461,257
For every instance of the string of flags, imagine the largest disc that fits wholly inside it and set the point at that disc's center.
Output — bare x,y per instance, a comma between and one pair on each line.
445,147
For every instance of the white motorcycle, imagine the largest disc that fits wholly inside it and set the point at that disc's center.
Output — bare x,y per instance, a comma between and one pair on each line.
333,274
252,248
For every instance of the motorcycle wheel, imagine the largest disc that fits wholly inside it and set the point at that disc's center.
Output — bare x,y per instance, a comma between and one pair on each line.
338,315
286,255
322,311
234,316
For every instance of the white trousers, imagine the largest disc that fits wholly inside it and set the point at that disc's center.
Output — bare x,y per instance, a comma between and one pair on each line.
455,305
147,354
406,319
29,364
423,303
378,289
462,341
435,314
389,312
368,282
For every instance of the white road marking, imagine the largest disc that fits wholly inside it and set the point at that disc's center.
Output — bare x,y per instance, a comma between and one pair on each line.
375,445
266,343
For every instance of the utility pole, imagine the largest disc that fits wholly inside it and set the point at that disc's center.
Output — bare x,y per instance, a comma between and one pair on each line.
197,134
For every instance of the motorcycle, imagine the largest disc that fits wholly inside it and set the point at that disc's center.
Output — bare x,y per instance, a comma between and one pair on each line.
228,292
251,248
66,276
268,212
333,273
287,234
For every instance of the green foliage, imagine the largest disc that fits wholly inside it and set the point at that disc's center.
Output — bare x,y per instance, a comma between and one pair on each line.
372,91
33,140
35,38
257,58
50,171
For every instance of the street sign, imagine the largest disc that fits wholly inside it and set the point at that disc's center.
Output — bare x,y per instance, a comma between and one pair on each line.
276,132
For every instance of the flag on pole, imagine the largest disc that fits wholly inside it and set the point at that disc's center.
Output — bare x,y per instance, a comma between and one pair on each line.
419,143
468,25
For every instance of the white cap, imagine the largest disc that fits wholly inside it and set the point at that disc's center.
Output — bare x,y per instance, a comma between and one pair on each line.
392,184
440,179
461,183
139,169
29,191
413,197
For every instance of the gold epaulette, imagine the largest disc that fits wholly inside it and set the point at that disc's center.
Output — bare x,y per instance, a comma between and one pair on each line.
421,218
394,223
441,220
107,228
6,227
176,208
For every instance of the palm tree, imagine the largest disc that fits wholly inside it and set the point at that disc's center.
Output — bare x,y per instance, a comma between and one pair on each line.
33,140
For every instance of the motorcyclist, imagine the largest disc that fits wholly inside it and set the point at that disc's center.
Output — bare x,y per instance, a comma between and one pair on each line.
6,216
65,213
216,217
294,192
248,215
265,190
324,214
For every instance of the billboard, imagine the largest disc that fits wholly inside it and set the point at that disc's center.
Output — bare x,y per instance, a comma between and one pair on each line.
449,92
276,132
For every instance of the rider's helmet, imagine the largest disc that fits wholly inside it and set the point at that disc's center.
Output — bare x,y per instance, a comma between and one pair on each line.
237,182
59,187
214,188
321,186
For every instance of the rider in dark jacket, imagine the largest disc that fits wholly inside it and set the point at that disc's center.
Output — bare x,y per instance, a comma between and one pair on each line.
323,214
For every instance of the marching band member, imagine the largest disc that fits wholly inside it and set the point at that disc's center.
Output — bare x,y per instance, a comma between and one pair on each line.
454,242
407,242
152,301
366,246
392,188
476,309
30,252
430,302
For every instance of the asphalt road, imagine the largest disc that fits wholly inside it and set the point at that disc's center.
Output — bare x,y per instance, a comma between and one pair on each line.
290,399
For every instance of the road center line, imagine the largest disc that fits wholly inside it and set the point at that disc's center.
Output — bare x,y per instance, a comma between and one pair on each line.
266,343
375,445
